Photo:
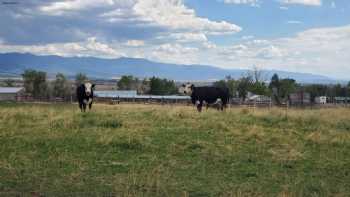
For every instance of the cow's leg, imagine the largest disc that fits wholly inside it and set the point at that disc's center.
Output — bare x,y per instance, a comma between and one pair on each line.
84,107
206,105
81,106
199,106
223,105
89,103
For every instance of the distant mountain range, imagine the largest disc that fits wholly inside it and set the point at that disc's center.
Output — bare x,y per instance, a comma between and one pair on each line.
13,64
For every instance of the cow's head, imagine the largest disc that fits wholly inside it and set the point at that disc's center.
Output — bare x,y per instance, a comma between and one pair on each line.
89,88
186,88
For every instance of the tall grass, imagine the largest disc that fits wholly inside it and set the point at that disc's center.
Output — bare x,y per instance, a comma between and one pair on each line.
147,150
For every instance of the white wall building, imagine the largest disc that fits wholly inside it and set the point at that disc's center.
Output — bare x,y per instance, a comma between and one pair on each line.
321,100
10,93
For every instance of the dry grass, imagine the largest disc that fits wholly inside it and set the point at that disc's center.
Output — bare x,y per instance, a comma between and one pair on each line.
150,150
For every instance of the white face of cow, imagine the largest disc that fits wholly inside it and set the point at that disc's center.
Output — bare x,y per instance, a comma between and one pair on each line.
88,88
186,89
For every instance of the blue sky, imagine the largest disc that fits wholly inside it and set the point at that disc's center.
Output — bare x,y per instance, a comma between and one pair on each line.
294,35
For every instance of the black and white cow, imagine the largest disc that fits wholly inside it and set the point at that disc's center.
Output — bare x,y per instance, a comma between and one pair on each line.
85,95
206,95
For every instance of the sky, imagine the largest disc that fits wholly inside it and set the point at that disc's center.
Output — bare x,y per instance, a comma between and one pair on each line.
311,36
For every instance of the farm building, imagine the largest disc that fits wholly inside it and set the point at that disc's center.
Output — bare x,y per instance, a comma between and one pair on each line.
115,93
132,96
260,98
10,93
341,100
300,98
321,100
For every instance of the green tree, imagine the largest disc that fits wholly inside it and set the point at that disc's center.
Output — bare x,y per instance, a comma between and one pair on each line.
9,83
128,82
257,85
259,88
229,83
61,86
274,87
144,87
162,86
35,83
243,87
286,87
320,90
80,78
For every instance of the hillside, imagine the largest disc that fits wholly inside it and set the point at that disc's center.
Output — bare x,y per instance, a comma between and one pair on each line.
16,63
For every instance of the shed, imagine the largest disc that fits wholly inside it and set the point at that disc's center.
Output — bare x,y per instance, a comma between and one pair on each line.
341,100
116,93
10,93
300,98
321,100
132,96
260,98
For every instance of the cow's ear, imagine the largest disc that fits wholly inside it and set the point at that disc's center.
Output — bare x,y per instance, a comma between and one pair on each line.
93,85
183,85
192,86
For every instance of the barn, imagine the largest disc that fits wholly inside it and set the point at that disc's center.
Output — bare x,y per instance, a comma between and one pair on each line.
300,98
10,93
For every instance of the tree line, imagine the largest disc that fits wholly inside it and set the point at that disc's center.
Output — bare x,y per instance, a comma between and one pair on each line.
153,85
279,89
37,84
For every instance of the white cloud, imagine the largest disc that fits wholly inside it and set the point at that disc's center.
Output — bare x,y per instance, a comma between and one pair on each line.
303,2
270,52
175,15
283,8
175,49
258,42
135,43
172,14
247,37
154,22
322,51
188,37
60,7
90,47
209,45
175,53
294,22
250,2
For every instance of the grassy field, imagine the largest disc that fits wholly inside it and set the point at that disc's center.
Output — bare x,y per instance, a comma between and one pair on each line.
148,150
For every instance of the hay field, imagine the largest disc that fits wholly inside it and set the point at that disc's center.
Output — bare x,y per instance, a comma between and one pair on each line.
151,150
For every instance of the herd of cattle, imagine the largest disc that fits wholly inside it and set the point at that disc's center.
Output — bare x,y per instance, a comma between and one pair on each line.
207,95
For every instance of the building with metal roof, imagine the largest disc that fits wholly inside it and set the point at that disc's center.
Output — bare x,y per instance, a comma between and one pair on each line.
115,93
132,96
10,93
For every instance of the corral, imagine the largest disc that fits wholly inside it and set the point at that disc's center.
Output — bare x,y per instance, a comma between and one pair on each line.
153,150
